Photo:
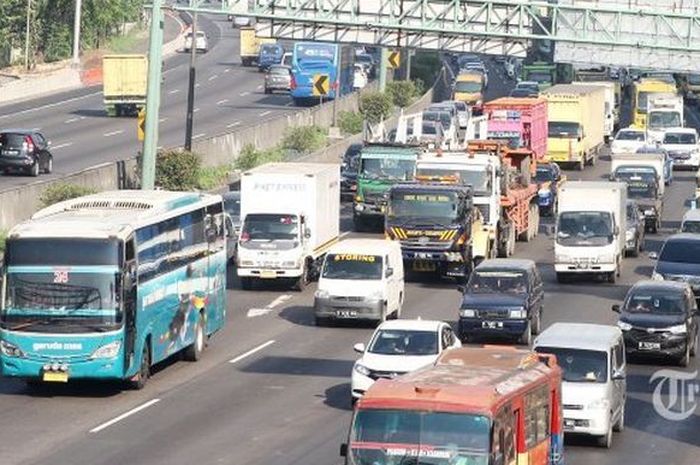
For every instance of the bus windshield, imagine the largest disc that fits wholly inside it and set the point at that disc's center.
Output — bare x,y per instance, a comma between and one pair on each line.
409,205
387,168
419,438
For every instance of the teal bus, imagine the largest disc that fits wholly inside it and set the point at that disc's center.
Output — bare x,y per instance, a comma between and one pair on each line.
106,285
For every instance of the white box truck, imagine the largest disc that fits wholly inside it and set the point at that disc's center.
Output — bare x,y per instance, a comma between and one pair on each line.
590,229
290,216
665,112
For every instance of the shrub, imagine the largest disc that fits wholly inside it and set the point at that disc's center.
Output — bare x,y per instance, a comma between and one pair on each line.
425,66
375,106
177,170
304,139
3,239
250,157
350,122
211,177
402,93
63,191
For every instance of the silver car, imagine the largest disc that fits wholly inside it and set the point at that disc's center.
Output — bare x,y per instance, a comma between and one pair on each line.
278,78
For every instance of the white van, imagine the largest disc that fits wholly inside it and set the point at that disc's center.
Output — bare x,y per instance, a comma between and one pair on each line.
592,358
361,279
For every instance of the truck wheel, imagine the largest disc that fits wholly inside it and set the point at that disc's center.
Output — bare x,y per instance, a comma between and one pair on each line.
247,283
511,242
581,164
594,158
303,280
537,322
358,224
562,278
526,338
612,277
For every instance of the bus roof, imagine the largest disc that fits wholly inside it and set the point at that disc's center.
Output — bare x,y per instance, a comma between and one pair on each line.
111,213
468,380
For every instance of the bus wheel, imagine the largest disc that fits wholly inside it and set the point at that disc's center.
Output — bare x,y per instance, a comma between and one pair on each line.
193,352
139,381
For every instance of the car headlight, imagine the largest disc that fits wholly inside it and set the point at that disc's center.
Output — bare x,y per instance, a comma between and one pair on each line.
517,314
467,313
361,369
678,329
629,234
10,350
599,404
657,276
544,192
110,350
649,211
321,294
624,326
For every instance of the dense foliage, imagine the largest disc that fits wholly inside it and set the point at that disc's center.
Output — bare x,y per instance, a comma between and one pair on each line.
51,24
178,170
63,191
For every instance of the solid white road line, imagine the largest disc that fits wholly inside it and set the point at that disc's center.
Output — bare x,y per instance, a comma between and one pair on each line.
202,134
113,133
253,312
265,113
222,101
195,110
260,87
252,351
71,120
235,123
211,78
163,120
227,70
50,105
124,415
243,94
60,146
174,91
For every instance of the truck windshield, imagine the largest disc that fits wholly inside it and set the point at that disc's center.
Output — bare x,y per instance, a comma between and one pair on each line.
479,180
578,365
679,138
352,266
694,79
468,87
61,299
419,438
664,119
387,168
563,130
496,281
585,229
270,227
539,76
407,205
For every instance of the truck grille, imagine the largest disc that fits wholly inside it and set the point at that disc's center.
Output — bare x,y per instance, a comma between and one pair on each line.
376,198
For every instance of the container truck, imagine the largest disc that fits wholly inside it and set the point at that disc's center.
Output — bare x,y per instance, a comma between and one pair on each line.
663,113
643,174
642,92
250,45
435,224
381,166
611,106
590,229
576,120
520,121
290,217
124,85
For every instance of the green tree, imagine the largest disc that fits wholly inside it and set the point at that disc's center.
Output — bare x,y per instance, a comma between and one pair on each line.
375,106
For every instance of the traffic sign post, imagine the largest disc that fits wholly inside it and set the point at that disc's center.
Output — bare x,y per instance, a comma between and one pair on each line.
321,85
394,59
141,125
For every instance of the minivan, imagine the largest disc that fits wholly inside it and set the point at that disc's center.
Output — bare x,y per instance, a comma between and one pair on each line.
679,260
593,363
361,279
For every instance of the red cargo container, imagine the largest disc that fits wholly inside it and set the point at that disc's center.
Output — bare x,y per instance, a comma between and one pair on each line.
521,121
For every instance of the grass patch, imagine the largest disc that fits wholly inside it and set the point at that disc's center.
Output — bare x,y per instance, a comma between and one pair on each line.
128,42
211,177
3,239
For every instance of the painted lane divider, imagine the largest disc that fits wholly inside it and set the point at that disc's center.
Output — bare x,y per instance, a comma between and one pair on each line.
253,312
252,351
124,415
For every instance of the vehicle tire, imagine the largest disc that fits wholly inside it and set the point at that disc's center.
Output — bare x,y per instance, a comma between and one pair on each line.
267,91
527,235
193,352
684,359
301,282
537,322
563,278
320,321
594,159
511,242
606,440
141,378
48,165
612,277
34,169
247,283
694,346
620,424
526,337
358,224
637,248
581,164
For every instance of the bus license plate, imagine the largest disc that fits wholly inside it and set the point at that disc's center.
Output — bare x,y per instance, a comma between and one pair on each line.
55,377
492,324
267,274
649,345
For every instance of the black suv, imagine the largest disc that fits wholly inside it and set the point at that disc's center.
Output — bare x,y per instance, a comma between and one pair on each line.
504,297
25,151
658,318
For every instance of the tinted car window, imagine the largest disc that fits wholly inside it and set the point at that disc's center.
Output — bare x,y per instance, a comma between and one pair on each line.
9,139
655,301
681,251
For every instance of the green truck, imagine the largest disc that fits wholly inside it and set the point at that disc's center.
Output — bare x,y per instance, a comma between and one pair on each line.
547,74
381,166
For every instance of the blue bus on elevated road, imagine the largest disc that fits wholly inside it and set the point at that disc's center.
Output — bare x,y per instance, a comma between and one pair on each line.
310,59
105,286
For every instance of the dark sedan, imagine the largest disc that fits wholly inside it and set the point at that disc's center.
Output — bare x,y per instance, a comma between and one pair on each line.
659,318
25,151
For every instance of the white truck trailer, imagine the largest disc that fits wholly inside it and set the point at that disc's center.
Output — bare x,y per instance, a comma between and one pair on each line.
290,216
590,229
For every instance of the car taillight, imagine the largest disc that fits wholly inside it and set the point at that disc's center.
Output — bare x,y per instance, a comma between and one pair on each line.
28,144
292,83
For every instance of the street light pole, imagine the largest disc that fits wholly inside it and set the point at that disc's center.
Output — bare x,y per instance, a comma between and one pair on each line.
76,32
26,36
150,140
190,91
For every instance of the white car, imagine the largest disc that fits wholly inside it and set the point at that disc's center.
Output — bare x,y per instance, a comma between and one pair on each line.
397,347
628,140
682,146
200,44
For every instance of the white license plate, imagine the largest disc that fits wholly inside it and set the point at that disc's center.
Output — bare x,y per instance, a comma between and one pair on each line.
649,345
346,313
492,324
268,274
569,424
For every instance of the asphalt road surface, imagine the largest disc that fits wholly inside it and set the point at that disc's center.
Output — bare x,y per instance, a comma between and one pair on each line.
273,389
227,96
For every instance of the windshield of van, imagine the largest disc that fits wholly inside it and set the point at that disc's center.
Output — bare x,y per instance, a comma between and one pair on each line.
412,437
580,366
497,281
691,226
655,301
681,251
352,266
585,229
563,130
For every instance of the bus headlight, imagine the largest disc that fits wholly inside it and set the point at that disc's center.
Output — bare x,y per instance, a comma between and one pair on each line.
10,350
110,350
